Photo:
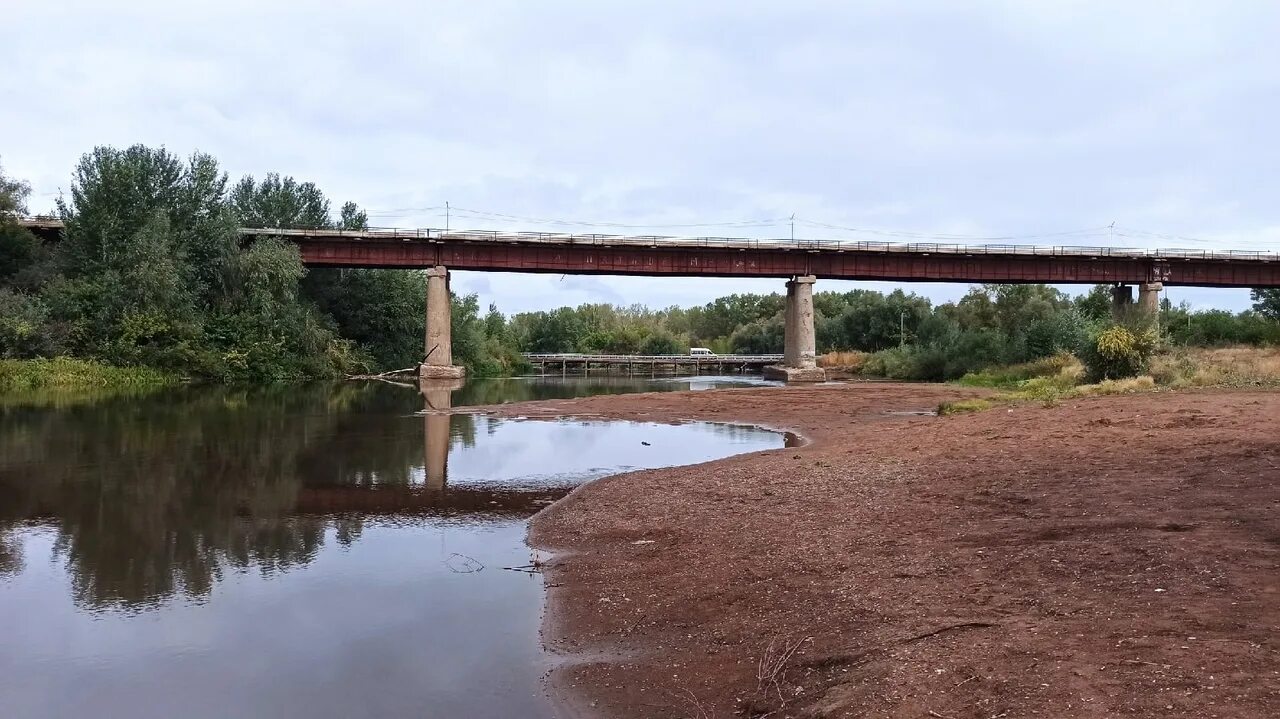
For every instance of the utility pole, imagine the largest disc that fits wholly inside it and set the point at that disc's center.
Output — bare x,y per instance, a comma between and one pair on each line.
902,329
793,227
446,215
1111,233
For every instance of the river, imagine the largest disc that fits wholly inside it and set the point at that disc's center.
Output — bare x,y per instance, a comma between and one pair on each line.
354,550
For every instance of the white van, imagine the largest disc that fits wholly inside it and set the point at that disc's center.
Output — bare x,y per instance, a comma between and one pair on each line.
701,352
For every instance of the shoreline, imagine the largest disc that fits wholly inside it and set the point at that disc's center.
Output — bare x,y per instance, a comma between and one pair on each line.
677,625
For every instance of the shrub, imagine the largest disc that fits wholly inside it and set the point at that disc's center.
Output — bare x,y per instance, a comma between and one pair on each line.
1118,386
1118,352
1061,365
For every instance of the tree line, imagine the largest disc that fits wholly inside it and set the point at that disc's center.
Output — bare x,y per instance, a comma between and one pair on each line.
151,271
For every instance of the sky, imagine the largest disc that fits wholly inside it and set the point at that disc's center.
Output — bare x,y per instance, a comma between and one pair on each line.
980,119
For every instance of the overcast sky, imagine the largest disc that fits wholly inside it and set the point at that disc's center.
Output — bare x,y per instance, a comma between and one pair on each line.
976,118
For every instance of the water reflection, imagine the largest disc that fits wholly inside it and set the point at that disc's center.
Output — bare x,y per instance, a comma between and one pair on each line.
157,542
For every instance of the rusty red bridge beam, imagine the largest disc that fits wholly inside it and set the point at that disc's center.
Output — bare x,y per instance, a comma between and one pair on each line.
733,257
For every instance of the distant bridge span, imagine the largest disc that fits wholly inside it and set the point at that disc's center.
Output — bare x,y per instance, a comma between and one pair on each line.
650,363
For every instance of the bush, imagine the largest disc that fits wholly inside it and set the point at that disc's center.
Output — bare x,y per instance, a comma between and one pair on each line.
1118,352
23,331
1059,365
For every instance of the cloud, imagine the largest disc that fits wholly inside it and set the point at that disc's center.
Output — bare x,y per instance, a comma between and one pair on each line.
993,117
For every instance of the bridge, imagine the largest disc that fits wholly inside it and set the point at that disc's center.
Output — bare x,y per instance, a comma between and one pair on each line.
802,262
649,364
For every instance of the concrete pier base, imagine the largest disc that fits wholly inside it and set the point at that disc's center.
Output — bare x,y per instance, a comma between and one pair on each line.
441,372
795,374
438,363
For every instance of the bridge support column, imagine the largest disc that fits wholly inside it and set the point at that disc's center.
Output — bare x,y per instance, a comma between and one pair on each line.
1121,302
438,363
1147,308
799,350
1149,298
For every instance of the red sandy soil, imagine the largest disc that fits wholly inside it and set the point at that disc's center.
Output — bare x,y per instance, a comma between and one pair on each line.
1114,556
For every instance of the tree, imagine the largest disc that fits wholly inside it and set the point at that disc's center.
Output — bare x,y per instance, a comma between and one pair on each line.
19,249
279,202
1266,302
1095,305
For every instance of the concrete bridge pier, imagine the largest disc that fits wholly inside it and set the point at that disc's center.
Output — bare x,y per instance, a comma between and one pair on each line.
438,363
1148,306
799,352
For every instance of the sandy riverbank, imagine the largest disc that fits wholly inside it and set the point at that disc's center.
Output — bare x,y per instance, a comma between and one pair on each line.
1114,556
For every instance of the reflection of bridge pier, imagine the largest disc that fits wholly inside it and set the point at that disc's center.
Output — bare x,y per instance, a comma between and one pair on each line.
438,400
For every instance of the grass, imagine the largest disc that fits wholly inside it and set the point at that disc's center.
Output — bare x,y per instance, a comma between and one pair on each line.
63,380
849,361
1218,367
1062,367
964,406
1056,378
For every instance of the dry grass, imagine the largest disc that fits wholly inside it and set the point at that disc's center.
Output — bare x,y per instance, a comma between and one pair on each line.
850,361
1222,367
1116,386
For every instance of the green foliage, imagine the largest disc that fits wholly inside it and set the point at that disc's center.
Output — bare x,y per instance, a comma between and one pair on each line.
661,342
382,311
482,344
19,249
1095,305
281,202
151,272
758,337
1118,352
64,373
1016,375
1266,302
23,325
602,328
963,406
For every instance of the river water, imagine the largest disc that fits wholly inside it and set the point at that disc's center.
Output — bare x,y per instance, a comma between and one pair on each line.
323,552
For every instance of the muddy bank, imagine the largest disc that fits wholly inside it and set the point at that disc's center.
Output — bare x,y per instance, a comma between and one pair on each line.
1109,557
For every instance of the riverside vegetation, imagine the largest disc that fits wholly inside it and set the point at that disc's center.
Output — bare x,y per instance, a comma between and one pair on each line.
151,274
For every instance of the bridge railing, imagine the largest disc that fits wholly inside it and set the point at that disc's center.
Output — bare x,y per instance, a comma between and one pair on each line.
383,234
875,246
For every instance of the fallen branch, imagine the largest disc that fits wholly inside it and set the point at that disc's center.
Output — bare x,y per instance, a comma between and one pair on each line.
949,628
462,564
383,375
773,663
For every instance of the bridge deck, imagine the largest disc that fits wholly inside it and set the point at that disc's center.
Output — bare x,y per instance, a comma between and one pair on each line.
740,257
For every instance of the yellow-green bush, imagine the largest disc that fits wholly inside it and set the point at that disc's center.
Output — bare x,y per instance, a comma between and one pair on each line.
1118,352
